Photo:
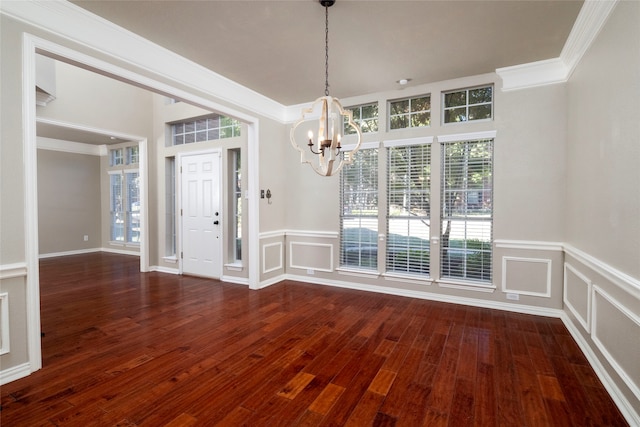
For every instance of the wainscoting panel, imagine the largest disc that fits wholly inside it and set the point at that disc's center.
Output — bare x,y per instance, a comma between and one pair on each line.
311,256
4,323
272,257
526,276
615,330
577,295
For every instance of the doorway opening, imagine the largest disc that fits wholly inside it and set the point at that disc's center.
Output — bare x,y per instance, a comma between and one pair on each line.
31,47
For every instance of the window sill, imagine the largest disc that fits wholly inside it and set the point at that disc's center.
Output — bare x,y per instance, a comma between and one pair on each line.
170,259
234,266
357,272
466,285
408,278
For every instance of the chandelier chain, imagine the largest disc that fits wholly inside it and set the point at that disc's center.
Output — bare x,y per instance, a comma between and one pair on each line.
326,50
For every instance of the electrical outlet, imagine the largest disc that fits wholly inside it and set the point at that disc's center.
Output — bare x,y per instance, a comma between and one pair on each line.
513,297
86,238
311,271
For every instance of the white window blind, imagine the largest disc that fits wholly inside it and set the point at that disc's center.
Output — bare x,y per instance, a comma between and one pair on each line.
467,210
132,207
408,217
359,211
116,208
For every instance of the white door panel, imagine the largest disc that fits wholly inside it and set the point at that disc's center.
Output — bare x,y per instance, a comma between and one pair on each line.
201,239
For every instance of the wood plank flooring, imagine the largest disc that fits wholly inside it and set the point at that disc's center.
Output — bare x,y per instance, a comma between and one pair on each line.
130,349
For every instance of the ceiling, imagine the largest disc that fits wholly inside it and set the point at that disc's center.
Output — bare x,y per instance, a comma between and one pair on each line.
276,48
69,133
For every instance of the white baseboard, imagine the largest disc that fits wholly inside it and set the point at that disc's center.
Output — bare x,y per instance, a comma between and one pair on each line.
120,251
236,280
272,281
14,373
473,302
628,412
67,253
161,269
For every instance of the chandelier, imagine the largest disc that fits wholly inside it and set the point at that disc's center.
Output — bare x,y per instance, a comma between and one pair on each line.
328,157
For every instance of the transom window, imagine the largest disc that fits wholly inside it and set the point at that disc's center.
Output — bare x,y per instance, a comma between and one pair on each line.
116,157
204,129
410,112
366,116
133,155
468,104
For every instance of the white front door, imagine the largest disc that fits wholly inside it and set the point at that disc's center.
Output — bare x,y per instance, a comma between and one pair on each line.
201,214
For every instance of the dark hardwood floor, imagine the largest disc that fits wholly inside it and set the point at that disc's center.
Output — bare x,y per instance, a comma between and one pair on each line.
129,349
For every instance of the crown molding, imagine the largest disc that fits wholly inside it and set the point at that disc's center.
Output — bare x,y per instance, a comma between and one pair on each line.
590,21
66,20
592,17
71,22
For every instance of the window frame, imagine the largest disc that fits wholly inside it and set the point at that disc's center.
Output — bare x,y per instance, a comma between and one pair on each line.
408,114
371,259
235,193
410,267
132,155
116,208
465,219
170,208
116,157
361,119
467,105
211,127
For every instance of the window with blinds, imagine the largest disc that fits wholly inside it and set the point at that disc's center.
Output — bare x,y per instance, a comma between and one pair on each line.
116,211
132,207
359,211
408,204
467,210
